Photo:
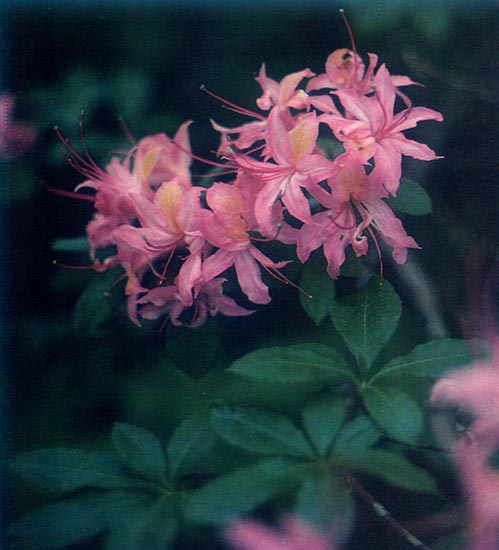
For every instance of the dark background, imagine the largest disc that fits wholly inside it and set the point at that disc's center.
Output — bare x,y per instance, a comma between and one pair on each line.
145,62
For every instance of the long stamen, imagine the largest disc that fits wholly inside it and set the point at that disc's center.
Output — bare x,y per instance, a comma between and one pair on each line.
268,239
233,106
352,40
339,226
200,159
378,250
349,30
162,278
128,134
71,194
273,272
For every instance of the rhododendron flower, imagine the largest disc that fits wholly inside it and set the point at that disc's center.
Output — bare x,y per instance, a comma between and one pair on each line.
345,70
284,93
371,128
155,159
294,534
225,225
15,137
475,391
210,300
353,194
296,167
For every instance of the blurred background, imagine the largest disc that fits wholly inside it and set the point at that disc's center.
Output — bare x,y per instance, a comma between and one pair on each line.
69,377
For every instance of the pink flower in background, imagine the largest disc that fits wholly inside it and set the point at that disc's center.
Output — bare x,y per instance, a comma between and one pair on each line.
475,391
293,534
15,137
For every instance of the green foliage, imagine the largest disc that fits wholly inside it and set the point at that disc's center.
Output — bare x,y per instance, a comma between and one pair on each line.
356,435
322,419
395,412
97,305
367,319
316,281
194,351
430,360
241,491
260,431
140,451
191,447
300,363
326,501
66,470
411,198
392,468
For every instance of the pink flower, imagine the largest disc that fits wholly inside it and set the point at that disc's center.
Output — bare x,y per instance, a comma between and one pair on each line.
225,225
345,70
295,167
155,159
284,93
475,391
294,534
210,300
15,137
372,128
353,194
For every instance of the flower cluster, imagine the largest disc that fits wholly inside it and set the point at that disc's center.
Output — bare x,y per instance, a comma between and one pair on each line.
176,240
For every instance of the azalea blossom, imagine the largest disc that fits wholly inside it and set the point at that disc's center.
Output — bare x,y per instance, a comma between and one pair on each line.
293,534
175,238
210,300
372,128
354,194
475,391
295,167
345,70
225,225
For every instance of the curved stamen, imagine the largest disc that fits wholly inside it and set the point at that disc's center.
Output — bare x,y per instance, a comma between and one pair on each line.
268,239
70,194
233,106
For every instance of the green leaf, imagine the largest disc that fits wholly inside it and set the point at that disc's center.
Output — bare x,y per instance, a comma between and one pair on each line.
189,447
411,198
390,467
76,244
316,281
395,412
432,359
67,522
300,363
325,501
260,431
194,351
356,435
150,527
322,419
140,451
367,319
96,306
241,491
65,470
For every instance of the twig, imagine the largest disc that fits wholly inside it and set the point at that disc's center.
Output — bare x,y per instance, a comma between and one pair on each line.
383,513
